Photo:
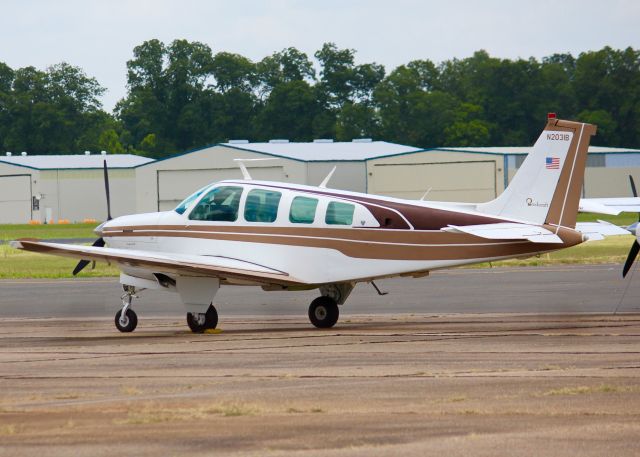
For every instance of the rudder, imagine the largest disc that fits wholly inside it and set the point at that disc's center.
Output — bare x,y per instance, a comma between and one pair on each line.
546,188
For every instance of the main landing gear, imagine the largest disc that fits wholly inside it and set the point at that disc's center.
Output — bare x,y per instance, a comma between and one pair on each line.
199,322
126,318
324,312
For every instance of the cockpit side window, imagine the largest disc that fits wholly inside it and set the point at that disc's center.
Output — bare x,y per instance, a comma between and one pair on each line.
303,210
187,202
220,204
339,213
262,205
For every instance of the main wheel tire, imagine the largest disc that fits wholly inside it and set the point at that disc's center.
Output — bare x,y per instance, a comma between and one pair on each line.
211,317
198,324
323,312
129,323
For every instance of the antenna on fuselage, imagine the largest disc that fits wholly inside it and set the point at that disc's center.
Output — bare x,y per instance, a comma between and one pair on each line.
243,167
325,181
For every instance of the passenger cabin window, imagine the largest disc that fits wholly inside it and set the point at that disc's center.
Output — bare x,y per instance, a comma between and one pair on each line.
262,205
220,204
339,213
303,210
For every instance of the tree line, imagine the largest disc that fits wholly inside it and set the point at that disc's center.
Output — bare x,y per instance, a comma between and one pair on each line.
181,96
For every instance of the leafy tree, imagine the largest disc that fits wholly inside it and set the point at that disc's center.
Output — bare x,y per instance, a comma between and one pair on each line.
357,120
285,66
289,112
109,141
180,95
46,112
165,86
233,71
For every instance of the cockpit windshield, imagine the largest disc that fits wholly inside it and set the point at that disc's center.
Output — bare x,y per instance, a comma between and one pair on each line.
187,202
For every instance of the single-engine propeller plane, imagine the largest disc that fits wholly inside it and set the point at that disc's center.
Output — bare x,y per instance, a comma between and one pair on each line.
283,236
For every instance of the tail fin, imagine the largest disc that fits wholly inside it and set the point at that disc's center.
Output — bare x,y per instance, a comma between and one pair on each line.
546,188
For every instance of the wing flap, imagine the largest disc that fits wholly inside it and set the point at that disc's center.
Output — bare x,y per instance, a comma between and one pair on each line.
164,262
508,231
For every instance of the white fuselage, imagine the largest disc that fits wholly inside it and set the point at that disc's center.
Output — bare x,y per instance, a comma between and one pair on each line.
316,252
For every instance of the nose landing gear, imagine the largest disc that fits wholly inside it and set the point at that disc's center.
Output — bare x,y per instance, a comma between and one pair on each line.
126,319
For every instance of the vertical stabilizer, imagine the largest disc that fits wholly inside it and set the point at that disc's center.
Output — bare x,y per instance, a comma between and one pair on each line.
546,188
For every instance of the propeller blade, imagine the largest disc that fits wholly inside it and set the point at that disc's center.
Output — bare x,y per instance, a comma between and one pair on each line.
106,188
83,263
633,186
633,253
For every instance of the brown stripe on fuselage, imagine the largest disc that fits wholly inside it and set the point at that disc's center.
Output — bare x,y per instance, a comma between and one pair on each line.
360,243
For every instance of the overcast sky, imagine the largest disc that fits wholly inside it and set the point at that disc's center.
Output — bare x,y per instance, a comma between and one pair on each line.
99,36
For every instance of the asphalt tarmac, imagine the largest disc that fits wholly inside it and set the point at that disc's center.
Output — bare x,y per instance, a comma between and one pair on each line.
467,362
398,384
564,289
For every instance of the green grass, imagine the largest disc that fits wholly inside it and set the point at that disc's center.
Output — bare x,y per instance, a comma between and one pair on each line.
16,264
15,231
622,219
610,250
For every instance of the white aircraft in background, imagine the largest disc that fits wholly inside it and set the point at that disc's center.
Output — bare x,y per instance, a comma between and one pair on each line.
292,237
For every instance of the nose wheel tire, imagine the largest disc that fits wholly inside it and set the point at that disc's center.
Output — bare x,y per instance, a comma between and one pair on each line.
199,322
323,312
128,322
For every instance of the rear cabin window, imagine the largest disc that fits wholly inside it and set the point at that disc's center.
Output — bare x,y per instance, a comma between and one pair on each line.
262,205
339,213
303,210
220,204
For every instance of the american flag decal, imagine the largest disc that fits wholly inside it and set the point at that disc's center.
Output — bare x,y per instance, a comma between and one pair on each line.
552,163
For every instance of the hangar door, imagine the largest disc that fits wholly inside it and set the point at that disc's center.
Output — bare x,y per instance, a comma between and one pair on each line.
175,185
449,181
15,199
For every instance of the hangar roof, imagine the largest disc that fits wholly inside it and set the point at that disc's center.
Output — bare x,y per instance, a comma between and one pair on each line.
77,161
518,150
326,151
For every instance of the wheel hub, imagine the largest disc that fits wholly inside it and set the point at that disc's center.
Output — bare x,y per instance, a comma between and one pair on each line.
321,312
124,320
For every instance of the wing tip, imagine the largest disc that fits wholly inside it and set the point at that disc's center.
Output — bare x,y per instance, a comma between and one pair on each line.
18,244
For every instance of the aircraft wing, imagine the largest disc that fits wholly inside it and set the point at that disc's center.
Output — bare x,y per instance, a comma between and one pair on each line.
164,262
612,206
598,230
508,231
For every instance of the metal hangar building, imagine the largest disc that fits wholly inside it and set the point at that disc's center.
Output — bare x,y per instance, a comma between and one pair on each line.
48,188
54,187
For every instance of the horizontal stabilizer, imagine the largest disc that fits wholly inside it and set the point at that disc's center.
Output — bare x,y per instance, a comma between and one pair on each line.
508,231
598,230
612,206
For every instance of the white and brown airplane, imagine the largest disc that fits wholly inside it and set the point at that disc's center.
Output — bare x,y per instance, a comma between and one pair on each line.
293,237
